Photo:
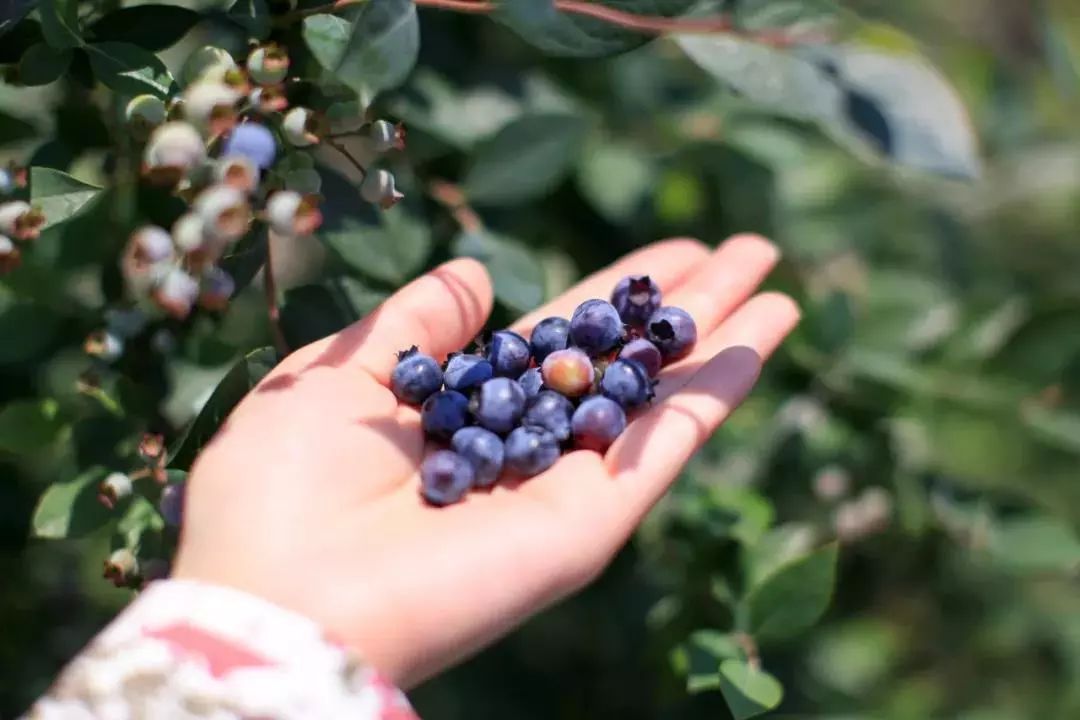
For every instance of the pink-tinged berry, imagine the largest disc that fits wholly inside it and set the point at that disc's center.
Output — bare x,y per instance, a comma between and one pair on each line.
121,568
292,214
150,245
152,447
175,293
174,149
386,136
569,372
114,488
19,221
104,345
237,171
211,106
217,288
225,212
378,188
301,127
268,99
268,65
188,234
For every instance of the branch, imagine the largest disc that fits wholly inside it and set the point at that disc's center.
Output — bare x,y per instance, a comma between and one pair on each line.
645,24
347,155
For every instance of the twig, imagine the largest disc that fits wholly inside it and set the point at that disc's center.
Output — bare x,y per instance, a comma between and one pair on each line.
348,155
750,649
645,24
273,310
453,199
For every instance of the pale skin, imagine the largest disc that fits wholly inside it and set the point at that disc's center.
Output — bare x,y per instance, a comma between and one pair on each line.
308,494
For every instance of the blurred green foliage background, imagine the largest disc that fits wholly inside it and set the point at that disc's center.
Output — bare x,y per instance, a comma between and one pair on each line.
939,361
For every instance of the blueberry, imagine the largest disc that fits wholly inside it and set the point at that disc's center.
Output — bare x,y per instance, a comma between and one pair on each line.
445,477
673,332
531,382
548,336
415,377
597,422
636,297
171,504
499,404
444,413
508,353
530,451
645,353
253,141
551,411
569,372
627,382
483,449
595,327
464,372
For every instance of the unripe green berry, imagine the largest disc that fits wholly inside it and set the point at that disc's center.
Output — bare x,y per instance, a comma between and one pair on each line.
20,221
378,187
268,64
225,212
144,112
114,488
385,136
188,234
301,127
121,568
207,62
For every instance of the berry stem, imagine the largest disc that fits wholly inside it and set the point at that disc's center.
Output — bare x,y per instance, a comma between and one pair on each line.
645,24
273,310
453,199
348,156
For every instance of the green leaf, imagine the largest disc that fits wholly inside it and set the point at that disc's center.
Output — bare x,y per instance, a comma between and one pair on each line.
615,178
389,245
525,159
243,376
253,16
35,326
1035,544
71,508
895,105
15,11
13,129
312,312
539,23
151,27
59,195
28,425
42,64
244,259
459,117
515,272
60,23
129,69
748,691
370,50
793,597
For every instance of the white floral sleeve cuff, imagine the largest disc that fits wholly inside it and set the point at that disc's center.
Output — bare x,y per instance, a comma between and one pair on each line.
184,649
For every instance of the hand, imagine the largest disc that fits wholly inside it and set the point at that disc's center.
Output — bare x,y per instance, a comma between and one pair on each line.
308,495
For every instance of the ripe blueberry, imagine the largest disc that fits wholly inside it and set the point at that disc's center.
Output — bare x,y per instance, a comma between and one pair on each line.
673,332
645,353
627,383
595,327
548,336
171,504
530,451
483,449
531,382
597,422
569,372
508,353
499,404
416,376
253,141
444,413
551,411
636,297
465,372
445,477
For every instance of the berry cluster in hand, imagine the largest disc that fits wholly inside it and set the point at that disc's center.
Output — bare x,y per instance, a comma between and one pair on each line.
513,406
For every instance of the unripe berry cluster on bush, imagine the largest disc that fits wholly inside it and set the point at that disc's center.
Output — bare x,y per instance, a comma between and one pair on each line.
515,405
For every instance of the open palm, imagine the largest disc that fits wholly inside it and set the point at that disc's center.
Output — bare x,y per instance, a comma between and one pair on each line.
308,495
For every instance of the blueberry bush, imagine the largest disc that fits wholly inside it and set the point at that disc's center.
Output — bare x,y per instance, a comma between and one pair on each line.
887,528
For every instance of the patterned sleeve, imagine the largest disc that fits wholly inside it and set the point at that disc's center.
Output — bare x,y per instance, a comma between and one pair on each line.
189,650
